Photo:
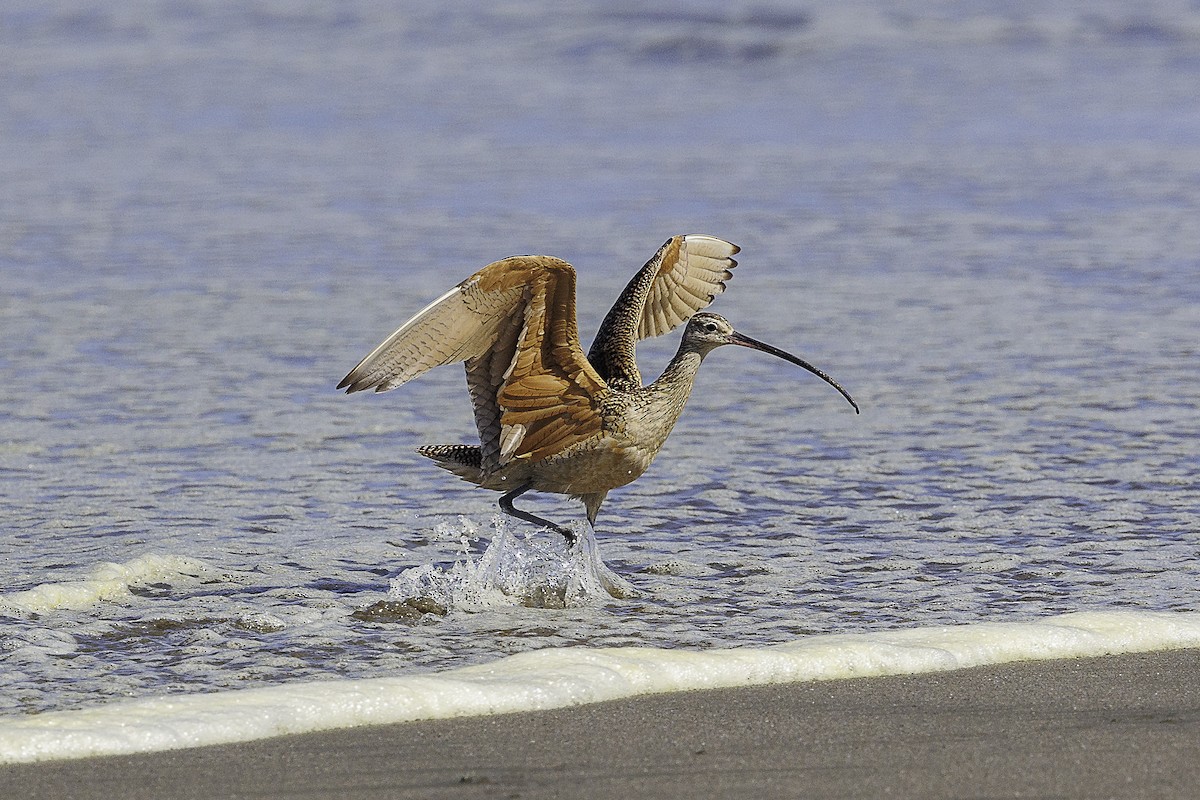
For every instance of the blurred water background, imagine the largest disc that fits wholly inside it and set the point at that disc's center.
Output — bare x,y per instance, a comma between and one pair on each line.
982,218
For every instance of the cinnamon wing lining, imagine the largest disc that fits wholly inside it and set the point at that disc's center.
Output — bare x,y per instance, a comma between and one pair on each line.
549,399
513,323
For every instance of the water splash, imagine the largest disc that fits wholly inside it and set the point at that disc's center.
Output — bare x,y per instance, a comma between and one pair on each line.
535,571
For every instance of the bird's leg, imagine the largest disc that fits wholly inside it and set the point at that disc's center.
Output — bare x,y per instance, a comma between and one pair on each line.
506,505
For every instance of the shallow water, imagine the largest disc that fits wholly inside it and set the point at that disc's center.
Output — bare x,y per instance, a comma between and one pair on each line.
984,223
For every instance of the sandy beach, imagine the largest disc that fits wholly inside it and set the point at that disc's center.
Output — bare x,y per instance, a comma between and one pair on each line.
1112,727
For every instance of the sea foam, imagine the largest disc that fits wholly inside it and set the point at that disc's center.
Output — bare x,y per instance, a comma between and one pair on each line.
554,678
108,581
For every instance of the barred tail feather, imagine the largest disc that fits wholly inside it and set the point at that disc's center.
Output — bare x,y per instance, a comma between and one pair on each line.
463,460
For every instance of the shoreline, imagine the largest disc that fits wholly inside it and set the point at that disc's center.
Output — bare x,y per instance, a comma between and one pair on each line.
1110,726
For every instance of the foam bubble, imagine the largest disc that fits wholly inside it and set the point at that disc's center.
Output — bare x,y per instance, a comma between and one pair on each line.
107,581
560,677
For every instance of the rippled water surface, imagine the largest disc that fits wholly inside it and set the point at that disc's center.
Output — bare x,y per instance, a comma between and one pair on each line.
984,222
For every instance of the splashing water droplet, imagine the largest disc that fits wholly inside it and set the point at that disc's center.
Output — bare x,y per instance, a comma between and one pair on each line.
534,571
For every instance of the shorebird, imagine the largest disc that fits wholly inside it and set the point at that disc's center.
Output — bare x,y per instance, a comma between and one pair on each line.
550,418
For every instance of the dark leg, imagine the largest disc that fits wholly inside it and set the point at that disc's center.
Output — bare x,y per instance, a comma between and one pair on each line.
506,505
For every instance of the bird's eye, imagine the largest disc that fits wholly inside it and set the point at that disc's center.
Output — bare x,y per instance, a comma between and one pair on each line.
711,327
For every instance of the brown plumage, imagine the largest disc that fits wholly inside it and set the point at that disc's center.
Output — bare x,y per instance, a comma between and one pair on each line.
550,418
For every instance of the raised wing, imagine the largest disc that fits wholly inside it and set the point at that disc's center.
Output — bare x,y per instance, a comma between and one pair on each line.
683,277
513,323
461,324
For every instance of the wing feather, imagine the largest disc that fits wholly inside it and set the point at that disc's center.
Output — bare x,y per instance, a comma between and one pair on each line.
513,323
460,325
552,394
683,277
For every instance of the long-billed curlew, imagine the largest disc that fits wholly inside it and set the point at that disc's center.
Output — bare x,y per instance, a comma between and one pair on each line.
550,418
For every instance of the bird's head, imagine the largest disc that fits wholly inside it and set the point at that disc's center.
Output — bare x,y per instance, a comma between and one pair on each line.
706,331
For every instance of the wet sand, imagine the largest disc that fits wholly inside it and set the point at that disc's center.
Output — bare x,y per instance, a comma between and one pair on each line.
1111,727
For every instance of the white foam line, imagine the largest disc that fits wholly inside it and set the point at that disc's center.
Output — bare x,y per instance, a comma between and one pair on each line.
555,678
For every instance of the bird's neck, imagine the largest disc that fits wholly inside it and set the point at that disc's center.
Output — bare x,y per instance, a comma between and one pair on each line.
672,388
662,402
681,372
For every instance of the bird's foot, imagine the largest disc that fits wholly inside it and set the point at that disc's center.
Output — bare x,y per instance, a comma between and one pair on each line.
567,534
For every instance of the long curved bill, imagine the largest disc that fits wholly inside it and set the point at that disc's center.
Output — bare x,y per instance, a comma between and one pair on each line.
754,344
